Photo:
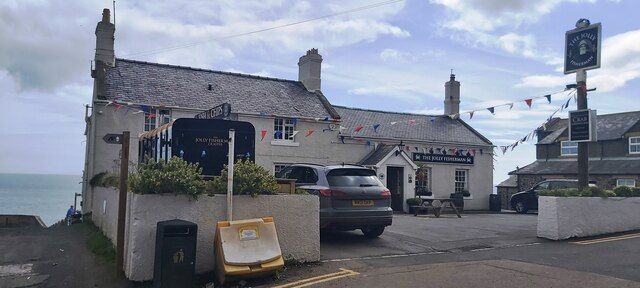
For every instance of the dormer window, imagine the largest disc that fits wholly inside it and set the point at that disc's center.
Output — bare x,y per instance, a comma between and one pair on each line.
568,148
634,145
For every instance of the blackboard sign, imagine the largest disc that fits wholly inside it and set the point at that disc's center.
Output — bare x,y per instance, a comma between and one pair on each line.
582,48
206,142
440,158
221,111
582,125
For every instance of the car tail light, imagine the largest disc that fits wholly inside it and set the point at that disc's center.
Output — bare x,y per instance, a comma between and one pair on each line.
329,193
385,194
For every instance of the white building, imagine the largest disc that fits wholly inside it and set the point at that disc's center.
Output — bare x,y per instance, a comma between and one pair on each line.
386,141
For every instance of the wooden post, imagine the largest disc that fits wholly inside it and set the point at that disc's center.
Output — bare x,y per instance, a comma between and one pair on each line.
583,147
122,203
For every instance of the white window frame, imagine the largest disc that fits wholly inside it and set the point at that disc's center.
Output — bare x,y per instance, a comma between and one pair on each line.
635,143
419,181
465,181
618,184
163,116
286,126
283,165
565,143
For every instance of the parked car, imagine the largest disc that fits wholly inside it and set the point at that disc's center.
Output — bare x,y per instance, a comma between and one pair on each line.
527,200
351,197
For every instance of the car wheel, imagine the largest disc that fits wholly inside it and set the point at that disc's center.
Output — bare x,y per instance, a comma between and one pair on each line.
372,232
521,207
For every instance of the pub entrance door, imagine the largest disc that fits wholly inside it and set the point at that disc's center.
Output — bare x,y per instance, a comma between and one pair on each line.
395,184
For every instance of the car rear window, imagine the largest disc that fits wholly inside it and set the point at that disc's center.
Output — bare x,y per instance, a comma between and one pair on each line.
353,178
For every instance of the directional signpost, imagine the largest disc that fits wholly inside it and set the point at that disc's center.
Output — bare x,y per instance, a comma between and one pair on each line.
582,53
123,140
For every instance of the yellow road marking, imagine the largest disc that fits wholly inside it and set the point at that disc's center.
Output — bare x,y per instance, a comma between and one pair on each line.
319,279
606,239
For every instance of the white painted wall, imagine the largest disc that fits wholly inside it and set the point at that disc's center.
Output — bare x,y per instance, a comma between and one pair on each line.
567,217
105,220
296,218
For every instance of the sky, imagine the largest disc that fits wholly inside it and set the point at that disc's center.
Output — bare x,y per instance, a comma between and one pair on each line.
394,57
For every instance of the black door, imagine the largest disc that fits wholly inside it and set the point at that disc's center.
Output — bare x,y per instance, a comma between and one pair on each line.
395,185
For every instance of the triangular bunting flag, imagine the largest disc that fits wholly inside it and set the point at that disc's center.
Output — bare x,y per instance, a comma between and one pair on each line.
277,135
510,106
548,98
394,123
412,121
295,132
375,127
432,119
471,114
309,132
492,110
263,133
529,102
566,105
358,128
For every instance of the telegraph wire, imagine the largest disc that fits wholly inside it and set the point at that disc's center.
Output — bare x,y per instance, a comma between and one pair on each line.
187,45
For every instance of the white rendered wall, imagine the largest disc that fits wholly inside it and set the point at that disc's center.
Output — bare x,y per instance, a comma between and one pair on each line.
296,218
105,220
567,217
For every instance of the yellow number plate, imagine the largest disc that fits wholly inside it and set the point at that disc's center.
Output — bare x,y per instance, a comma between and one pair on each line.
362,202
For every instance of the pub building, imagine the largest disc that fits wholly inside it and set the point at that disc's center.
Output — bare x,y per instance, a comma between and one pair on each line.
294,123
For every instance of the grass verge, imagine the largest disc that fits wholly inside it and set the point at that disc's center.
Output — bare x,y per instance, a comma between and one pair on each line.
99,244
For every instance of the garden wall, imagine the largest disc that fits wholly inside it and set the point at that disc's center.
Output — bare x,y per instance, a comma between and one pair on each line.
566,217
105,210
296,218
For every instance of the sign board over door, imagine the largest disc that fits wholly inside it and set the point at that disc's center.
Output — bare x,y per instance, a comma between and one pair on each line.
582,48
221,111
582,125
440,158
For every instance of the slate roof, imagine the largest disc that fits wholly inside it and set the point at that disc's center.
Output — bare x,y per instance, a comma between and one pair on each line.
609,126
512,181
441,129
596,167
177,86
377,155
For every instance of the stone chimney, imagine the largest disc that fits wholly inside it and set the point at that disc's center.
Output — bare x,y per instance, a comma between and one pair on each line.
309,70
452,96
104,39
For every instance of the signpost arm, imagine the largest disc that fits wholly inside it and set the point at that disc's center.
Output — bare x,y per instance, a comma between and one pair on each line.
232,135
583,147
122,203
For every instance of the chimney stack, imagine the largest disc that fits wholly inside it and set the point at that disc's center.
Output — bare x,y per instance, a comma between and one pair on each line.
309,70
104,39
452,96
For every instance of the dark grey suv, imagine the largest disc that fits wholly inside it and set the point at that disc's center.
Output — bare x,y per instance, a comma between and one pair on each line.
351,197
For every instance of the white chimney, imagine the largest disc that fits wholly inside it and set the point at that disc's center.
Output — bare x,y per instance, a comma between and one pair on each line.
309,70
452,96
104,39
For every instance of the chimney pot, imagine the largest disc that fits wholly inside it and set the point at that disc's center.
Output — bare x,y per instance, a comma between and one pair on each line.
106,15
105,32
309,68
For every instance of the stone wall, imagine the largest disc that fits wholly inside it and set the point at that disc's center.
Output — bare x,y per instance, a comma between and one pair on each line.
296,218
567,217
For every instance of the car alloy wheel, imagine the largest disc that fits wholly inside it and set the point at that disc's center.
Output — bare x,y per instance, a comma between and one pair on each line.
521,208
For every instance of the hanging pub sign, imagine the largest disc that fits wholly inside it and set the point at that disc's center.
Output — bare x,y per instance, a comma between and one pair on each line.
222,111
441,158
582,47
582,127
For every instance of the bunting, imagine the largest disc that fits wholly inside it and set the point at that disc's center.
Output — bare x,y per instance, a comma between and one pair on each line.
309,132
358,128
492,110
263,133
529,102
375,127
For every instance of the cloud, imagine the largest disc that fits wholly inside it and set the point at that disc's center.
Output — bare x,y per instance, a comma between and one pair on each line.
393,55
620,64
485,23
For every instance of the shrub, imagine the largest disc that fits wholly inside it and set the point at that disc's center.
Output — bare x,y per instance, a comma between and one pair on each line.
414,201
248,179
104,179
175,176
573,192
624,191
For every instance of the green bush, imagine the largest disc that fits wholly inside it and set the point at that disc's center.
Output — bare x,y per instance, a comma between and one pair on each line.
573,192
624,191
105,179
248,179
176,176
414,201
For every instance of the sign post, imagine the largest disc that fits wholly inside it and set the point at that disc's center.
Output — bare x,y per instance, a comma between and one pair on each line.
582,53
123,140
232,136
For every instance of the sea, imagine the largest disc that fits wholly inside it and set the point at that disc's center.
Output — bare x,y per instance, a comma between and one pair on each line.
48,196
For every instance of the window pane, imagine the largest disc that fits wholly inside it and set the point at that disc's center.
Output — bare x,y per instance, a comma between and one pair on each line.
422,181
353,178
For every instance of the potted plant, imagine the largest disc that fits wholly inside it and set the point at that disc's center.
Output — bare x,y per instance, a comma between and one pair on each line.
413,203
